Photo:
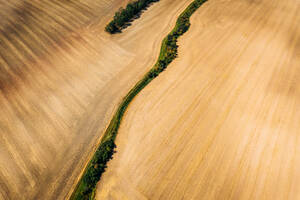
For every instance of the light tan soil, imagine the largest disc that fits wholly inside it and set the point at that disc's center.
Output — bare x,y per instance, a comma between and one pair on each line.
61,78
222,122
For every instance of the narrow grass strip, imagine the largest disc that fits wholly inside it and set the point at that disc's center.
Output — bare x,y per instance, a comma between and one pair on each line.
86,187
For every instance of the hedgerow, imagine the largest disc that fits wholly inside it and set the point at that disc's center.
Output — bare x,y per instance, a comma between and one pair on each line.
85,189
124,16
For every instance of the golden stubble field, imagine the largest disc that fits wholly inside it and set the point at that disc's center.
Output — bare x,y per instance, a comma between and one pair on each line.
61,78
222,122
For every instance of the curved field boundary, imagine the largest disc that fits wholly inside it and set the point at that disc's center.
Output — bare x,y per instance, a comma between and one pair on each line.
86,186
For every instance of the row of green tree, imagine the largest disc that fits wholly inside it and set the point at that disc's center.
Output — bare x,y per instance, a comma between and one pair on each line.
169,46
124,16
87,185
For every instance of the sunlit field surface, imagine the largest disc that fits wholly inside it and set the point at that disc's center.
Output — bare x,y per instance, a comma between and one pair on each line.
61,78
48,79
222,122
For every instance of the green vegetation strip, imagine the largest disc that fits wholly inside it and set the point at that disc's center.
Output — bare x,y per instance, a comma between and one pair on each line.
124,16
86,187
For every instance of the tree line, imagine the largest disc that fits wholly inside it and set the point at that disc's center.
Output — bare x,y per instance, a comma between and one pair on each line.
169,48
87,185
124,16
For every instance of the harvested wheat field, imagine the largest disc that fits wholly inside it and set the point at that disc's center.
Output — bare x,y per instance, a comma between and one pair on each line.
61,78
222,122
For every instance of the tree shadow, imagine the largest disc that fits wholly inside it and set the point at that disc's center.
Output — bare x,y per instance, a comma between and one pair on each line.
135,17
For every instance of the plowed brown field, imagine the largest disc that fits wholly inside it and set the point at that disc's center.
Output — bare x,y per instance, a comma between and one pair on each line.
222,122
61,78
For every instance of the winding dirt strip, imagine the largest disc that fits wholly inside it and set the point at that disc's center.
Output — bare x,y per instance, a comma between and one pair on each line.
223,121
61,78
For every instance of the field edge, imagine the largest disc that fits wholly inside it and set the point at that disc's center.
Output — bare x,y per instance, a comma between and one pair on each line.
86,186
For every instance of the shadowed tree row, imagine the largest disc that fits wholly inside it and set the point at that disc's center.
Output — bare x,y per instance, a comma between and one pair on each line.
123,17
87,185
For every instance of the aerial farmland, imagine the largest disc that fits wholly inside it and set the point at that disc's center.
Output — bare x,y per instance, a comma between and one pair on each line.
149,99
